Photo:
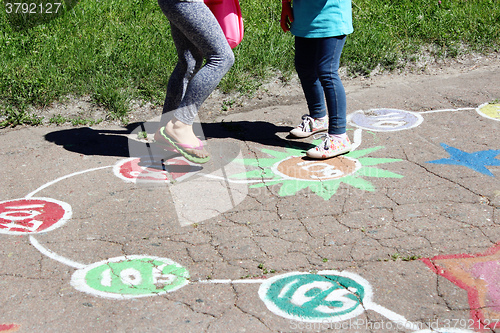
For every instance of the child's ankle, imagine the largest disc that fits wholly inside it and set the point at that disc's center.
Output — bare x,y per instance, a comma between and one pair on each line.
339,136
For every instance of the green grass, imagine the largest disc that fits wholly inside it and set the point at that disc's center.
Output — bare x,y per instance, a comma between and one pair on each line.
118,50
393,32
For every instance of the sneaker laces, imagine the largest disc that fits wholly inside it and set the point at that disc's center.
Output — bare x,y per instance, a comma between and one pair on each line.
306,123
326,139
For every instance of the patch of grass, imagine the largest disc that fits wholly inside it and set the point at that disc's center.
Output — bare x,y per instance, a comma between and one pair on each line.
119,50
61,120
390,33
58,120
397,256
15,117
110,96
84,122
227,105
265,270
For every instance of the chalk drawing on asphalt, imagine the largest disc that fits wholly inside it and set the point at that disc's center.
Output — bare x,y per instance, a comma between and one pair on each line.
478,274
198,192
490,110
384,120
143,170
32,215
336,295
327,296
8,328
477,161
130,277
322,177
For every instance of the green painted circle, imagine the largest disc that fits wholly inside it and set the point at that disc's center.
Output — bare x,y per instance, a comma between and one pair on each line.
133,276
314,297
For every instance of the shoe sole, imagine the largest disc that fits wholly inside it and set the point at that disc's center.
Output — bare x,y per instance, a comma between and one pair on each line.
324,157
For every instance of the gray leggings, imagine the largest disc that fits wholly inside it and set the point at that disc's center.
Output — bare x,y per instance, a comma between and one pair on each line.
197,36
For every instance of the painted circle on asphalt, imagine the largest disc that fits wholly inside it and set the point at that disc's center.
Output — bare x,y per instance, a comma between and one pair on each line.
328,296
141,170
316,170
33,215
130,277
489,110
7,328
385,120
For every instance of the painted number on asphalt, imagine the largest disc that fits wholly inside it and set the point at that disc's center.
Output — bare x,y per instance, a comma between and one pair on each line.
322,297
35,215
132,276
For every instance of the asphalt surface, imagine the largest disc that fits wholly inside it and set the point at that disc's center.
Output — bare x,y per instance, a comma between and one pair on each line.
101,231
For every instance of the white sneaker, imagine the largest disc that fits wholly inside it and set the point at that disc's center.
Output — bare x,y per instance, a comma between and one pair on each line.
309,126
330,147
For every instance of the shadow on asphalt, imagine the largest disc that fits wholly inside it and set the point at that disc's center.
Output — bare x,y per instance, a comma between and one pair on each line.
103,142
88,141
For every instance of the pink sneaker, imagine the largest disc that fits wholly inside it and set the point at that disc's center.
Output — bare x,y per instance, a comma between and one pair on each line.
330,147
310,126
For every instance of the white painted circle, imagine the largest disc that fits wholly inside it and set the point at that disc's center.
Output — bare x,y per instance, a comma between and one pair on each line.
385,120
32,215
130,277
302,295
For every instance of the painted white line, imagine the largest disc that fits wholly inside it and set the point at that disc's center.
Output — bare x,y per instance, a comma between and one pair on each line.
230,180
357,139
296,285
55,256
231,281
368,305
392,316
62,178
448,110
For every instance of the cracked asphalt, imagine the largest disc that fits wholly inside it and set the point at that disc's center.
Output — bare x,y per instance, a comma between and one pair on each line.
404,229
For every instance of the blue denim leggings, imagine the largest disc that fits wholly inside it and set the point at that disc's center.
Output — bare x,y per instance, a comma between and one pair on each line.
197,36
317,63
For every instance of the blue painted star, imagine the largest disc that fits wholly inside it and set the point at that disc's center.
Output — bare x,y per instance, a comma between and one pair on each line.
476,161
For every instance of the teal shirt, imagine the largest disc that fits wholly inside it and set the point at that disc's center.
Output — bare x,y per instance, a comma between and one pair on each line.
321,18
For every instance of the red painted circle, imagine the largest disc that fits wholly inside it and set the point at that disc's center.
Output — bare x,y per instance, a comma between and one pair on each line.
130,170
9,327
28,216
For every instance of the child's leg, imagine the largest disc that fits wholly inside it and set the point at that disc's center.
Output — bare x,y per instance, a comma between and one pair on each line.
196,33
306,65
328,59
190,60
197,36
